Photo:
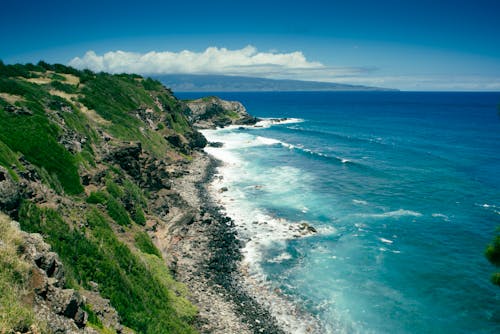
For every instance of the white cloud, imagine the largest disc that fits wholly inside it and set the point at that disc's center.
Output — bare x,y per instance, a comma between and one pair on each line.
213,60
248,61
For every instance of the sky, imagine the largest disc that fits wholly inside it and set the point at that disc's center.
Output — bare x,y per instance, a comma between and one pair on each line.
405,44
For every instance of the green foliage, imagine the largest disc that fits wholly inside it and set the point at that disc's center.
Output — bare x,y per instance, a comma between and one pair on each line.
16,70
56,76
177,292
36,137
7,159
142,299
117,212
143,242
113,97
492,253
14,276
152,85
138,216
70,89
114,189
92,317
97,197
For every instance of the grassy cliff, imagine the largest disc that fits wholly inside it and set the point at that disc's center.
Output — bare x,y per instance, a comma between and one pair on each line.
81,155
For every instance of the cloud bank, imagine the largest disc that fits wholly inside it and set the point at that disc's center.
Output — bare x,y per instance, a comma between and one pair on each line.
247,61
213,60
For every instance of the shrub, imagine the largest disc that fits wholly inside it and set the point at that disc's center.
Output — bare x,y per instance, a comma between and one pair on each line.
492,253
144,243
117,212
70,89
97,197
138,216
141,297
114,189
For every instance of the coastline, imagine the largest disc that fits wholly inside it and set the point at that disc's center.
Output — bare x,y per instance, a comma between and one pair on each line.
200,244
256,230
215,251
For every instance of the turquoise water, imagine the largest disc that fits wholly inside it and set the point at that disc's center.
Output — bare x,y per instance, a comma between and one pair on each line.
404,190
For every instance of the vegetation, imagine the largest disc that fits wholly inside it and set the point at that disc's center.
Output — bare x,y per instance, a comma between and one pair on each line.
117,212
35,136
58,125
14,278
141,298
493,255
143,242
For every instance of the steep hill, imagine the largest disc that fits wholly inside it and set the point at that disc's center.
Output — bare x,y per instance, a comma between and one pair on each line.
87,162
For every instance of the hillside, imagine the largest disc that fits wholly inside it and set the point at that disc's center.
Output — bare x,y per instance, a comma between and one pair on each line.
224,83
87,167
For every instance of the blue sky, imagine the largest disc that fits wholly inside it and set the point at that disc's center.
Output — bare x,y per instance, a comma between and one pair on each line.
413,45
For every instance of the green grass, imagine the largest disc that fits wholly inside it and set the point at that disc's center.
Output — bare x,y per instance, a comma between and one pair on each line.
145,245
36,137
67,88
113,189
14,281
140,295
97,197
117,212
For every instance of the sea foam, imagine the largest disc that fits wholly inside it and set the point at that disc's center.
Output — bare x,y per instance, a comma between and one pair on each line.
257,229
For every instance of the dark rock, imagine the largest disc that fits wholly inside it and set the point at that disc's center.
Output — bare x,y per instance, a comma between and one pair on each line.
197,140
10,192
66,302
50,263
215,144
18,110
127,156
175,140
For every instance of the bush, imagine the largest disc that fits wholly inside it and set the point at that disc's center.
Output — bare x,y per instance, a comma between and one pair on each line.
97,197
138,216
142,298
114,189
144,243
117,212
70,89
492,253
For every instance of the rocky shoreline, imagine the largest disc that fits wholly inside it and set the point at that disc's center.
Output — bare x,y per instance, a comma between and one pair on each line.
204,254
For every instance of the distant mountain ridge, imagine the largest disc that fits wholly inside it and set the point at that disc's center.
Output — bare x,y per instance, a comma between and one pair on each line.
224,83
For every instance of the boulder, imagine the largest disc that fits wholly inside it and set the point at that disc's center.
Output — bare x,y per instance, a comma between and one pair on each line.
10,192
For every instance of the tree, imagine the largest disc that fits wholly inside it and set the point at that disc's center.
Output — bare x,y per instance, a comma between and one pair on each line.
492,253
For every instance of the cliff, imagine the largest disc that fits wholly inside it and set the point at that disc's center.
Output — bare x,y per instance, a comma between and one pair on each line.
210,112
87,167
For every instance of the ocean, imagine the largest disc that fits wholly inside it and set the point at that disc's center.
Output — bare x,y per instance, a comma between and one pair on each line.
403,189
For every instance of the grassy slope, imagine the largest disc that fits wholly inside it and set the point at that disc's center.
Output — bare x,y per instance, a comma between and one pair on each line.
14,278
58,98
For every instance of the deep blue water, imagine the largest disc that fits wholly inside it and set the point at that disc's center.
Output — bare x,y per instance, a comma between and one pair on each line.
404,189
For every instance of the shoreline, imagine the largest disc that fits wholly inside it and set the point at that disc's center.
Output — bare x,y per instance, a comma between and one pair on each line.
256,229
200,244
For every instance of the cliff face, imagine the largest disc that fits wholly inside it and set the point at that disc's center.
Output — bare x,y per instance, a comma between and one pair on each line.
86,167
211,112
37,277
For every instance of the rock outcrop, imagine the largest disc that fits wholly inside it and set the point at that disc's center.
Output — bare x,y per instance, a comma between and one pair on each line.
10,193
212,112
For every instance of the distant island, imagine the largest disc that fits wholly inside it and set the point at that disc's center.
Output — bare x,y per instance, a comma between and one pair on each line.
225,83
